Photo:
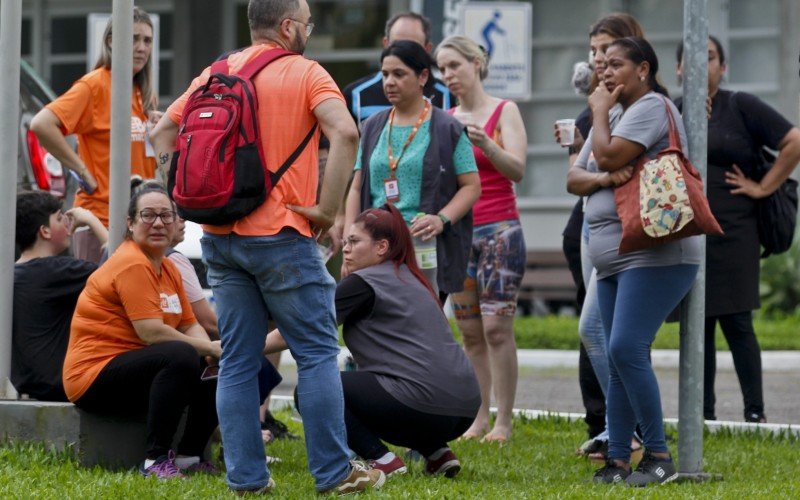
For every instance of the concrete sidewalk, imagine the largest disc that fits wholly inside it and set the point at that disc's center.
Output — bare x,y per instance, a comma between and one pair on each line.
548,381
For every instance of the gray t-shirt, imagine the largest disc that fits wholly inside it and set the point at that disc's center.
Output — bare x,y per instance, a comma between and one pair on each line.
644,122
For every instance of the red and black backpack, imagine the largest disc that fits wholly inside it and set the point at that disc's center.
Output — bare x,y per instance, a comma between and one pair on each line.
218,173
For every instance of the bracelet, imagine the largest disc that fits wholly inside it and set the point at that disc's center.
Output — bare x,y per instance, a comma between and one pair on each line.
445,222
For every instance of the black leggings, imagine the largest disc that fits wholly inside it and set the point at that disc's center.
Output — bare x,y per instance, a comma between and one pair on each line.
158,381
738,331
371,414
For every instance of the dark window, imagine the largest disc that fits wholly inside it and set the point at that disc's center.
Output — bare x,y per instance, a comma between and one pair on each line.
165,77
355,24
68,35
165,30
27,37
346,72
63,75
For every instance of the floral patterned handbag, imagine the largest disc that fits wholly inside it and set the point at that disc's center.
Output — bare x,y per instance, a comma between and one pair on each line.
667,203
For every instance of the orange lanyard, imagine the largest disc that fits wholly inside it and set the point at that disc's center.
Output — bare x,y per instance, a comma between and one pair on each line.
392,162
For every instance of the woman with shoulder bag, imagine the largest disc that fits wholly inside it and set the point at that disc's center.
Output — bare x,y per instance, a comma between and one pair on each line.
739,126
636,290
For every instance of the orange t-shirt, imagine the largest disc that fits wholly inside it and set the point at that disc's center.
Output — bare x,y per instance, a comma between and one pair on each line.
85,110
126,288
288,90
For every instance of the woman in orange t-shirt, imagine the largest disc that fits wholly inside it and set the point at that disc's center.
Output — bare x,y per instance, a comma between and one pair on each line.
85,110
135,347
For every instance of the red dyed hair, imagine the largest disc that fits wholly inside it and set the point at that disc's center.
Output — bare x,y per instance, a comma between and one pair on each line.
386,223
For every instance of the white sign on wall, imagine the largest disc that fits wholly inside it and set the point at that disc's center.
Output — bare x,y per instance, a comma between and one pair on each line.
504,29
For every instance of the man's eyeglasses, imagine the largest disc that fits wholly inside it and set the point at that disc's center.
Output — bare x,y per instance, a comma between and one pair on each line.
309,26
149,217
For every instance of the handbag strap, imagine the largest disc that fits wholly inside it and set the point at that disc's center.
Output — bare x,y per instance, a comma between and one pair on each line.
674,135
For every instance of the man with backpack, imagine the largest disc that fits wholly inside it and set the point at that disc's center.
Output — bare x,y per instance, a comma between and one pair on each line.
265,263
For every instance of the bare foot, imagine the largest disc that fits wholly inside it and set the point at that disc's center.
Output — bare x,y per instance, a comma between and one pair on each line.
500,434
475,431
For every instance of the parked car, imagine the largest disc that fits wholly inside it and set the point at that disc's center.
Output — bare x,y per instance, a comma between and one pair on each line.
36,168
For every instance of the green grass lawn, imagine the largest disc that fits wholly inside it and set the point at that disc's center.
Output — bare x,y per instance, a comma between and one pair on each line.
537,463
561,332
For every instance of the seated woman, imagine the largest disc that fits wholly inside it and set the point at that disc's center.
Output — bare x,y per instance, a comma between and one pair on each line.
415,386
136,348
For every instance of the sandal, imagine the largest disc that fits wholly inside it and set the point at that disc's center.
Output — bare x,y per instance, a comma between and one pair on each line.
589,446
600,455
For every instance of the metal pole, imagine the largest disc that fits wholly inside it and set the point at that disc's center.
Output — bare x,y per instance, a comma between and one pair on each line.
695,91
10,48
121,90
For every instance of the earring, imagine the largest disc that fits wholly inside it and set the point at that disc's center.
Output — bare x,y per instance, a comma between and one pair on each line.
641,78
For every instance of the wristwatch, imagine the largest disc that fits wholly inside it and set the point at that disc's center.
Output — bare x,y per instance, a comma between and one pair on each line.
445,222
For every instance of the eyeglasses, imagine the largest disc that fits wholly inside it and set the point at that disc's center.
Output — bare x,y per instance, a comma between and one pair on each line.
149,217
309,26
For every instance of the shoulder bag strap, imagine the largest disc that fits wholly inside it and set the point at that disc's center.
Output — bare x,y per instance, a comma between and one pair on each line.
674,135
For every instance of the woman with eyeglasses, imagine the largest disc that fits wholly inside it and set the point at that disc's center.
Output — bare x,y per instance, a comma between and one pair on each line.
414,386
136,349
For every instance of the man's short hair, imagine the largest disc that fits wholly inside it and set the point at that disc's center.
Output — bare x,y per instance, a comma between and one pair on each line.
34,209
424,21
264,16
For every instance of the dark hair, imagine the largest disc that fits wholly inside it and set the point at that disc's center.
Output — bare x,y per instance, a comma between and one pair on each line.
639,50
146,188
616,25
264,16
34,209
424,21
412,55
713,39
386,223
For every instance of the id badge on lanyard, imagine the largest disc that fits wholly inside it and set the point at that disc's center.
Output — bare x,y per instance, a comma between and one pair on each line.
391,187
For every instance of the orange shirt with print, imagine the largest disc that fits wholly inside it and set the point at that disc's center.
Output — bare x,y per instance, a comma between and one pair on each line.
85,110
126,288
288,90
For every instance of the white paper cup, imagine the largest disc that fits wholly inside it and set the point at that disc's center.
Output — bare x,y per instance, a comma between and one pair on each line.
566,130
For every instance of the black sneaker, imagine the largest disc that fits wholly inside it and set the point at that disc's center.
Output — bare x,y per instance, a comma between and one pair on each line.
277,428
652,470
611,473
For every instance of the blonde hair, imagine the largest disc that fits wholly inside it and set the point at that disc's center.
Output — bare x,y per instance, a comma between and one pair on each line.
468,49
144,78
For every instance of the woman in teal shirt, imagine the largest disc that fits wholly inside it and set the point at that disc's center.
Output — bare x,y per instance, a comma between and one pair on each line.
427,167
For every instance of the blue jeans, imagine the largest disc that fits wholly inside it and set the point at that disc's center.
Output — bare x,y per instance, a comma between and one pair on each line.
283,277
590,325
633,305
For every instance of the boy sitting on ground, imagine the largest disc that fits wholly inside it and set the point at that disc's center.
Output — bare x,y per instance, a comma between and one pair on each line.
46,288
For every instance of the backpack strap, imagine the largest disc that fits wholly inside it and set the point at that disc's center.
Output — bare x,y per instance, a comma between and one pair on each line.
276,176
251,69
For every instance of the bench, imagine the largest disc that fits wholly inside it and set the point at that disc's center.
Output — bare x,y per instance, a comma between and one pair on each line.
547,282
113,443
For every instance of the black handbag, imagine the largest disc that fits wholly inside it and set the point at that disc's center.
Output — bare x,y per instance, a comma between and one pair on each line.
777,213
